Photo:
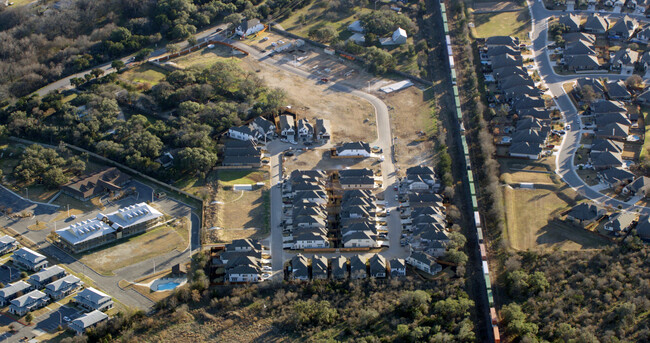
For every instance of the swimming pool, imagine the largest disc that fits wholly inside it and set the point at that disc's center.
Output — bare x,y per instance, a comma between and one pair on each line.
167,286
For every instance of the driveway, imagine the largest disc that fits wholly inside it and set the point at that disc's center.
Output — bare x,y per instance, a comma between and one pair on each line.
564,162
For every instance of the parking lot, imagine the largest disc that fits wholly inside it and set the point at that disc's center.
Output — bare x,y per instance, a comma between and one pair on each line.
50,321
8,274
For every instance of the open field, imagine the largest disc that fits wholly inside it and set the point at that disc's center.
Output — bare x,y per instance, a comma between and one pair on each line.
158,241
234,177
411,113
144,74
645,150
531,223
318,15
320,159
205,57
502,24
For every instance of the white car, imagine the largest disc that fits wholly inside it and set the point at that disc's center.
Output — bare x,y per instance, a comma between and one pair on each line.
66,318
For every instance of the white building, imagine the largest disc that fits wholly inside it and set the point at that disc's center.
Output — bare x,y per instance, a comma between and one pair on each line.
249,27
399,37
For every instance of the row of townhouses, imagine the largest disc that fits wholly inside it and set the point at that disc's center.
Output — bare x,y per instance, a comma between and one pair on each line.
288,129
242,261
340,268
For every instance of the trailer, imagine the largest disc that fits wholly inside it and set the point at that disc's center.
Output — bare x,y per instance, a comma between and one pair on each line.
477,219
479,233
493,316
474,203
481,247
497,337
486,271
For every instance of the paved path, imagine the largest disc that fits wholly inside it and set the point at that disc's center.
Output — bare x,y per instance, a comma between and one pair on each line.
564,163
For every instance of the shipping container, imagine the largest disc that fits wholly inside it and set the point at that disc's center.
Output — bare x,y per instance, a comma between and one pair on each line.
497,337
479,233
481,247
457,101
474,203
477,219
455,88
486,270
493,316
490,297
459,113
443,8
448,40
453,77
449,51
470,177
488,284
446,27
451,61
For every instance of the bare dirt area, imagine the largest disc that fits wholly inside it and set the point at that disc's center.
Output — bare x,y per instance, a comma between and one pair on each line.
236,214
413,124
531,218
518,171
351,118
320,159
157,241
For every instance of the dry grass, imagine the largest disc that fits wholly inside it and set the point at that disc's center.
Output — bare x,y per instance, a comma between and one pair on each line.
320,159
529,177
502,24
531,224
206,57
63,214
158,241
411,113
38,226
243,214
145,74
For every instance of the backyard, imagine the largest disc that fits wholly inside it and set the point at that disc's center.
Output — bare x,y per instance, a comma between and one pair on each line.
531,221
317,15
145,74
502,24
155,242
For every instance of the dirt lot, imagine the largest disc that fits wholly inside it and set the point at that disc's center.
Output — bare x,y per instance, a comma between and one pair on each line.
239,214
411,113
531,225
320,159
156,242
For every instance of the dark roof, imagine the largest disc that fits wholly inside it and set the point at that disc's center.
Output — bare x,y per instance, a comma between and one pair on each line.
595,84
530,136
528,102
525,148
537,112
576,36
641,183
607,106
359,145
600,144
643,228
624,27
377,264
419,170
582,61
502,40
580,48
596,23
625,56
571,21
644,96
606,159
241,160
508,70
502,50
616,175
355,172
361,180
529,122
357,264
500,61
621,221
96,183
264,123
516,80
585,211
605,119
613,130
617,89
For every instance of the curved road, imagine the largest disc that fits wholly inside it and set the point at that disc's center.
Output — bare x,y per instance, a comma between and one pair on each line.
565,158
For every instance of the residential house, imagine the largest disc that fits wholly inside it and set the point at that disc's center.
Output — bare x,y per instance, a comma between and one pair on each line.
354,149
93,299
605,119
600,145
502,61
378,266
495,41
359,239
643,36
29,259
616,131
623,29
596,24
61,288
241,153
310,239
424,262
624,60
243,245
93,185
243,133
28,302
595,84
339,268
527,150
399,37
644,98
639,187
300,268
320,131
397,267
421,178
585,213
356,179
263,126
7,244
643,228
356,27
644,60
13,291
46,275
287,127
605,160
580,48
572,37
620,222
87,321
616,90
358,269
615,177
166,160
319,267
581,62
305,129
570,21
244,269
607,106
249,27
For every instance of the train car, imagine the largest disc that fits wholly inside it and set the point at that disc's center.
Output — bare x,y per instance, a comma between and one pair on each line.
448,40
445,27
490,297
477,219
470,176
483,251
463,140
455,88
451,62
443,8
493,316
479,233
472,189
449,51
457,101
453,77
495,332
486,270
459,113
488,284
474,203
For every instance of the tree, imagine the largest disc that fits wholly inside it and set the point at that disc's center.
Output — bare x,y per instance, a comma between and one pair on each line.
233,20
323,34
456,256
143,54
634,81
379,61
192,41
385,22
196,159
414,303
537,282
29,317
117,65
97,72
77,81
172,48
120,34
55,177
587,94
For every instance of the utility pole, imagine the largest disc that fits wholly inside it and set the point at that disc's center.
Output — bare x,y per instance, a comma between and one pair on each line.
27,193
68,210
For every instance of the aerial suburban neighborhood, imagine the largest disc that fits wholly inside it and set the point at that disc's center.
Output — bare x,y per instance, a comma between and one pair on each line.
387,171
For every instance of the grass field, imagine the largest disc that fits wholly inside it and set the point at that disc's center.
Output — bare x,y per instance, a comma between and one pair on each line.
531,223
249,177
318,15
205,57
645,150
158,241
502,24
144,74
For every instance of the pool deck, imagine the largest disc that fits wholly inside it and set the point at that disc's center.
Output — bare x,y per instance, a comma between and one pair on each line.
153,285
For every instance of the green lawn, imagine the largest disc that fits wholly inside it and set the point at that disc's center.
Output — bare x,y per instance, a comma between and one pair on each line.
502,24
316,15
232,177
145,73
645,150
205,57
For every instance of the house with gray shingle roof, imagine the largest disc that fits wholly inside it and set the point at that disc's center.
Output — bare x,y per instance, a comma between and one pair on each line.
93,299
624,59
581,62
300,268
63,287
339,268
397,267
614,131
596,24
46,275
30,259
28,302
615,177
643,228
623,29
616,90
88,320
639,187
620,222
378,266
424,262
358,268
605,160
570,21
7,244
14,290
319,267
585,213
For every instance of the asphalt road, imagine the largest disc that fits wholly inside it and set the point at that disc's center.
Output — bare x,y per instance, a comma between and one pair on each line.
565,158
